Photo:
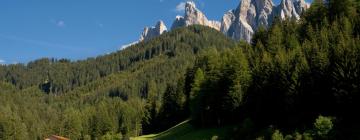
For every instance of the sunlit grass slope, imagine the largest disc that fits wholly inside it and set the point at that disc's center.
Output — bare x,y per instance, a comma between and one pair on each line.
185,131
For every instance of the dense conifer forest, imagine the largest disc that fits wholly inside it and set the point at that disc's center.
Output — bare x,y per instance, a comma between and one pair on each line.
296,80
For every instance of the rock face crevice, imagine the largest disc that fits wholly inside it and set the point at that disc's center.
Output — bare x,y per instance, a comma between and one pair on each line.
240,23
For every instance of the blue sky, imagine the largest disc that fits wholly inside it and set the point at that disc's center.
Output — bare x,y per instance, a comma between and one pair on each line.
77,29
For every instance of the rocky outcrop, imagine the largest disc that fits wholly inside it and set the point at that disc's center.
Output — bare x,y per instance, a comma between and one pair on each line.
236,27
241,23
291,9
151,32
194,16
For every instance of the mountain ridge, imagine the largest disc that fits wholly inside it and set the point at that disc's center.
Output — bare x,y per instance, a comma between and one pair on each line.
238,24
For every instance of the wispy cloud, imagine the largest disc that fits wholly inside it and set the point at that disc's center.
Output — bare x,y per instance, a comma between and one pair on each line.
58,23
40,43
101,25
180,7
2,61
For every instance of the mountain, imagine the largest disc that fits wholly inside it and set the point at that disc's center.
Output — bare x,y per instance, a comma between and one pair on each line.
291,8
238,24
241,23
148,33
194,16
151,32
298,84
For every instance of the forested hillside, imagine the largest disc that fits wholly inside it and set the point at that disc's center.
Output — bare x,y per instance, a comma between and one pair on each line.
117,95
296,80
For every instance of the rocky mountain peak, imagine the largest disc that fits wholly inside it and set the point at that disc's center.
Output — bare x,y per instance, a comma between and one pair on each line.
194,16
255,12
192,11
292,8
190,4
161,27
151,32
240,23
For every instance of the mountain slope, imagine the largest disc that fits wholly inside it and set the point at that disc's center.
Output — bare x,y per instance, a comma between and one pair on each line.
167,56
116,94
60,76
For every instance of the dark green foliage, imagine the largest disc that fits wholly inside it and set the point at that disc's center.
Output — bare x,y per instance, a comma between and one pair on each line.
172,110
323,126
220,88
292,73
61,76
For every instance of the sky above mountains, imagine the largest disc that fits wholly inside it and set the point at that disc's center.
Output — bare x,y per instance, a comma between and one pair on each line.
77,29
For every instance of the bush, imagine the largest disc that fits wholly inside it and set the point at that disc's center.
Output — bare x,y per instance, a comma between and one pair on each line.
323,125
277,135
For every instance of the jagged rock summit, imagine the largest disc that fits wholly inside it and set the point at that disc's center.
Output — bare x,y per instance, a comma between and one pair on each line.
291,8
246,18
151,32
194,16
240,23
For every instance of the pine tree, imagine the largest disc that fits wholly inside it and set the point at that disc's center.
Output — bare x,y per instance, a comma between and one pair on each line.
339,8
275,39
198,81
241,78
196,95
72,124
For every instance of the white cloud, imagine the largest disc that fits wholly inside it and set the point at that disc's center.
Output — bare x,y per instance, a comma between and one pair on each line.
60,23
2,61
180,7
41,43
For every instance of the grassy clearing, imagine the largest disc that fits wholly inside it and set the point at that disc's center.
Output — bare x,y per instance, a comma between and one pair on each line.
185,131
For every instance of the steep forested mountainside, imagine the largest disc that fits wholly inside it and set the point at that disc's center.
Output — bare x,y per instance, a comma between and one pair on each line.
59,76
117,94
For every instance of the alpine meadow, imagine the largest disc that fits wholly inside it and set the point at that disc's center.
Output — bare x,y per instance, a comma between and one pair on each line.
266,72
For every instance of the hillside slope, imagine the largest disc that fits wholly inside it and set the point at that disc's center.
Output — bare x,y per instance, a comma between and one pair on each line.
61,76
116,95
